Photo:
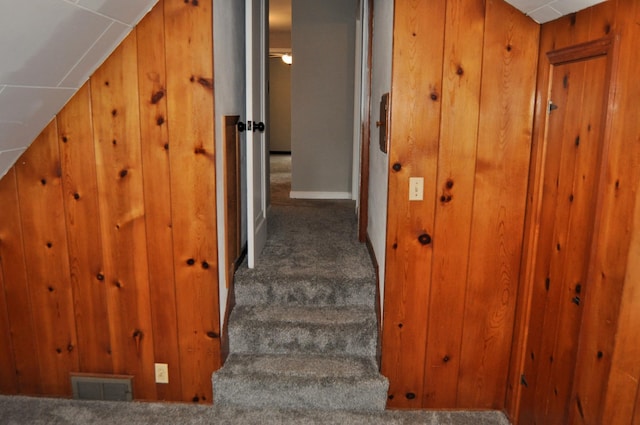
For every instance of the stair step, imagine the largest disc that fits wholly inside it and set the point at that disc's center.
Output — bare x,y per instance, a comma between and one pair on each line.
281,329
311,291
298,381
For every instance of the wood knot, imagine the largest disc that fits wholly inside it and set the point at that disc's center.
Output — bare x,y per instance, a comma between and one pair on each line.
212,334
64,139
446,359
206,82
157,96
114,112
49,245
410,396
191,262
199,151
509,47
434,96
43,182
100,276
205,265
76,196
424,239
123,173
459,71
166,146
160,120
397,166
70,347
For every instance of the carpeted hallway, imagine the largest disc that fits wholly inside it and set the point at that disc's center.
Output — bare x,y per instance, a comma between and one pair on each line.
303,338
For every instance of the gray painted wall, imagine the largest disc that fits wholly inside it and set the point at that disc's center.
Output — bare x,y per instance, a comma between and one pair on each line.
322,81
279,106
229,77
379,161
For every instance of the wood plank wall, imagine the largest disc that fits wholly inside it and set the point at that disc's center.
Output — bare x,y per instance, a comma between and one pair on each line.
463,90
605,385
108,245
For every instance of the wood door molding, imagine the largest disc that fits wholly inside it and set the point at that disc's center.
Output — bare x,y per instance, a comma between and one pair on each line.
606,46
232,216
582,51
363,212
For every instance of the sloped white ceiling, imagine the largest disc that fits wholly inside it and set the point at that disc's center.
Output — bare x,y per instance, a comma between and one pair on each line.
48,49
543,11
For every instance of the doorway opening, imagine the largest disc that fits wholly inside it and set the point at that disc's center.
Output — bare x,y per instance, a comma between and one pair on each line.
314,102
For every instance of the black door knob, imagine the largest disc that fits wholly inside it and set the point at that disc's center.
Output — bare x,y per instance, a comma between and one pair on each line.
259,126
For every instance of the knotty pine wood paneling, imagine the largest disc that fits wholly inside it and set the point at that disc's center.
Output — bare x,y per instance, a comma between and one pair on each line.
39,182
416,91
463,87
152,91
116,132
504,142
193,193
108,260
464,30
605,380
18,305
80,195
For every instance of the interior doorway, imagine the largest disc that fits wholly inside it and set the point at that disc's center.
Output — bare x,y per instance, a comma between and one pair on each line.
314,91
561,273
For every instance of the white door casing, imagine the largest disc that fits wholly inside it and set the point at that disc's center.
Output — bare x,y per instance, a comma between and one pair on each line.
256,26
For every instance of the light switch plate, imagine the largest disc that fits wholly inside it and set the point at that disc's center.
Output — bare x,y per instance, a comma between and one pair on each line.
162,373
416,188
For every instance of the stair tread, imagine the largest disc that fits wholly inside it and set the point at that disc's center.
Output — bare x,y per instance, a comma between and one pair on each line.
300,367
302,315
312,291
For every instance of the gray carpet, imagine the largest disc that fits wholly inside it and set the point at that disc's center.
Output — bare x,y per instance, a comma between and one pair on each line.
303,334
47,411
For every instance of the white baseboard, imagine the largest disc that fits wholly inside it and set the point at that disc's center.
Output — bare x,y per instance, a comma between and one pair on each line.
294,194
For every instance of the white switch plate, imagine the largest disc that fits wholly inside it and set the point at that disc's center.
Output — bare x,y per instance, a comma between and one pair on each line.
416,188
162,373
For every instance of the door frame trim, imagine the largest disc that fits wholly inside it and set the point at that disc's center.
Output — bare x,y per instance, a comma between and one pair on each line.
606,46
365,129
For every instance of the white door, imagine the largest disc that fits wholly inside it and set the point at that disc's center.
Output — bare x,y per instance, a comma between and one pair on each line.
256,25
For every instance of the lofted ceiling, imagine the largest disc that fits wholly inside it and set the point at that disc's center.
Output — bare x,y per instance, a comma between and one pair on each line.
49,48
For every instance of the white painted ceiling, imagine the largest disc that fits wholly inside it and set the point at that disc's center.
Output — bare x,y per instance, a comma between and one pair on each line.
543,11
48,49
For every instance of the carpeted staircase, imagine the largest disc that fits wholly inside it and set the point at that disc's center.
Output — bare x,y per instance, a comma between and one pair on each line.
303,333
